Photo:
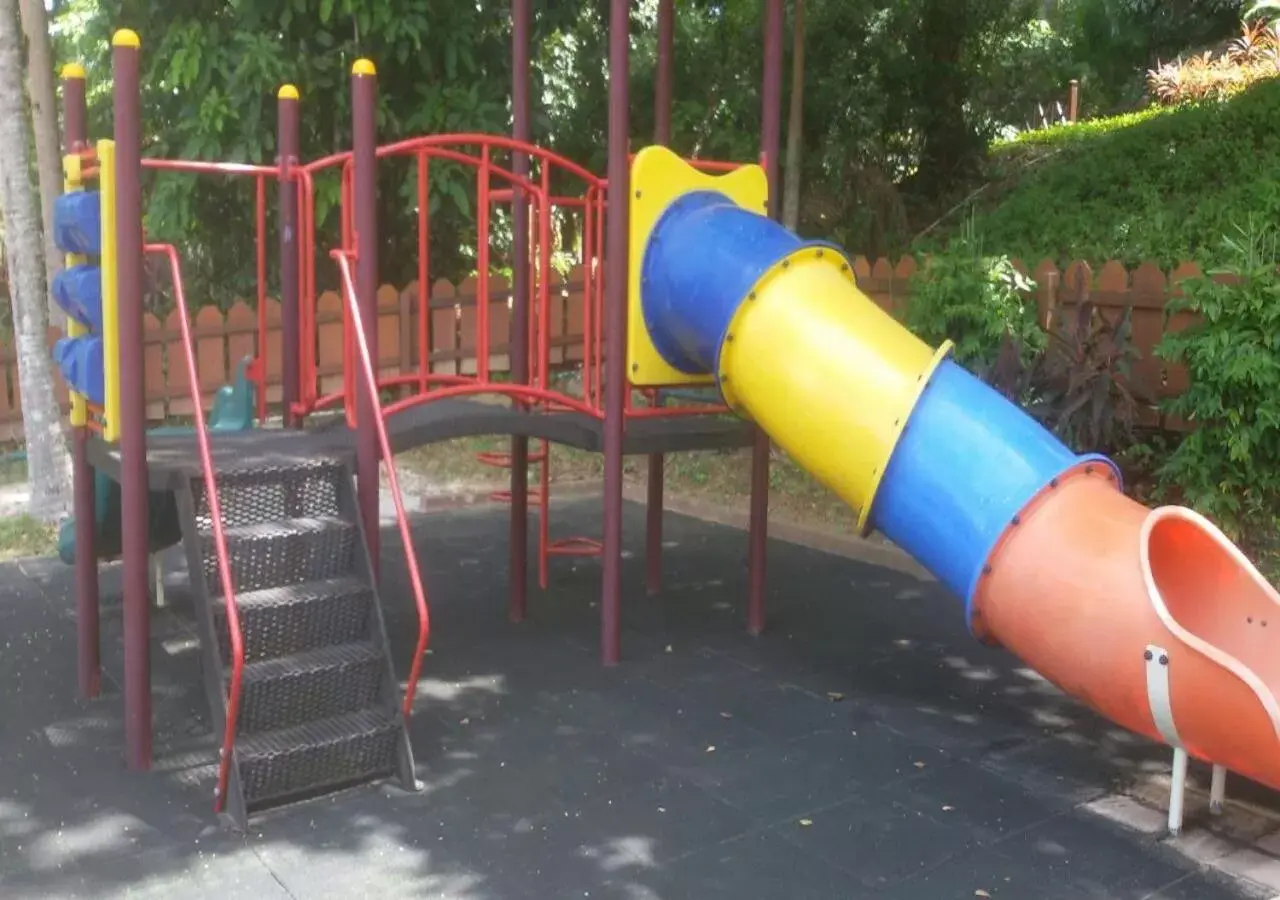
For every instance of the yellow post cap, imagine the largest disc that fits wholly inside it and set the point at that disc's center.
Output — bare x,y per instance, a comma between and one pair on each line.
364,67
126,37
72,70
287,92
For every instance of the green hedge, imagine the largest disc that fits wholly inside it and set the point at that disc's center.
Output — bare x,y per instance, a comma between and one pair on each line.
1162,184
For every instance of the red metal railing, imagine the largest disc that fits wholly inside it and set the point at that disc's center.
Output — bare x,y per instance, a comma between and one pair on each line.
384,444
215,515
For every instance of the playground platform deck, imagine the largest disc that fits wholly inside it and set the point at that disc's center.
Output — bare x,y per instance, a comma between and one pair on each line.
865,747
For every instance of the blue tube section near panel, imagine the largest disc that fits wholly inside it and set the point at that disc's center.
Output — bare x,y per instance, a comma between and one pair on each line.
967,462
78,291
80,361
703,256
76,223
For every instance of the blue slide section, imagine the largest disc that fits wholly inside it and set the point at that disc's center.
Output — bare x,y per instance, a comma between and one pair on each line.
78,292
968,461
80,361
76,223
705,255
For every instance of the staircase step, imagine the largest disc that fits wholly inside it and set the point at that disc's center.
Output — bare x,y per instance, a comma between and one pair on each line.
291,488
284,552
294,763
298,617
319,684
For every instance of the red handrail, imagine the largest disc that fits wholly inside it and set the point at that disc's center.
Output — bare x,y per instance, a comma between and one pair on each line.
402,521
215,516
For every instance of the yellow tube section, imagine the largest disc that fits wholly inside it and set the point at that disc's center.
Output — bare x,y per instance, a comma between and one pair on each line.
828,374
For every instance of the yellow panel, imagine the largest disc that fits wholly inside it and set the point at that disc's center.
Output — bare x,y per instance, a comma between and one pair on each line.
658,178
829,375
110,293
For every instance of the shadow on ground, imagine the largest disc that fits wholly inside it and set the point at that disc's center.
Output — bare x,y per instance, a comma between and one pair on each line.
865,746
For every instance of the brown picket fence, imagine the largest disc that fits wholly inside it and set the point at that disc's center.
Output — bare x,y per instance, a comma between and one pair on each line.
222,339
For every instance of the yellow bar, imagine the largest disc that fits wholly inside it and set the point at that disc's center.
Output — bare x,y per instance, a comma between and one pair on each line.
71,181
110,293
827,373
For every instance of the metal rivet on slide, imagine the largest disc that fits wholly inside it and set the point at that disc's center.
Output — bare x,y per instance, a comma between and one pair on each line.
1164,659
728,338
1088,470
637,195
786,264
1053,482
1017,520
751,296
986,570
819,254
635,367
1146,654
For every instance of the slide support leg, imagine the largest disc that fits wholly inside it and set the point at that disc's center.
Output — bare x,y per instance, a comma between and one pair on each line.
1177,791
1218,789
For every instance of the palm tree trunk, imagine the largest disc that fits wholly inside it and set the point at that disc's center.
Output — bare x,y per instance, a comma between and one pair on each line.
44,119
48,466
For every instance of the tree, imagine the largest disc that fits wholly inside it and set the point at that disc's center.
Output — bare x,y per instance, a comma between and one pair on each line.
795,123
44,120
48,466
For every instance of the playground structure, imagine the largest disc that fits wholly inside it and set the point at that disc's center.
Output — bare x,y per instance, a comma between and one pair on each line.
1150,617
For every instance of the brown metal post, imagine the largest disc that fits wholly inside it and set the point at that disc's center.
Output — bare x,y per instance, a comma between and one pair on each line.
615,333
1073,100
770,144
518,565
364,137
290,335
126,97
661,135
88,649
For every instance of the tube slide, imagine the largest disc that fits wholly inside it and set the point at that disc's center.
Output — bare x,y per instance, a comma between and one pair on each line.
1151,617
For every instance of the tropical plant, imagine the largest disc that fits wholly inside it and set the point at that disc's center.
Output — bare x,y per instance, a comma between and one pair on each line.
975,300
1228,466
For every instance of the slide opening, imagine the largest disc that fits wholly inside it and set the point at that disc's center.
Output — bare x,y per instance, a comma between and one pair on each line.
1209,589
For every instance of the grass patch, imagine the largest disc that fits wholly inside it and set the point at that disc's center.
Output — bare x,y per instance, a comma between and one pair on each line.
22,536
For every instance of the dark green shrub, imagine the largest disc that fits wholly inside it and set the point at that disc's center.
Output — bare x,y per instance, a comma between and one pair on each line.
1228,467
974,300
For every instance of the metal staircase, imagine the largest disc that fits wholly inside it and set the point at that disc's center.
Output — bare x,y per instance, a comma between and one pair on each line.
317,705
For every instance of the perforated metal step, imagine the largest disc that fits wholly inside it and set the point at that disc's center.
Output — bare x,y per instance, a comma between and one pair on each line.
285,552
319,756
319,684
319,702
292,619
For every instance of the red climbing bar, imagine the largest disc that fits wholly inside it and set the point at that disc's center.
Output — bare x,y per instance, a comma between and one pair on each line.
661,135
290,327
615,330
770,142
88,653
424,269
126,96
521,132
363,315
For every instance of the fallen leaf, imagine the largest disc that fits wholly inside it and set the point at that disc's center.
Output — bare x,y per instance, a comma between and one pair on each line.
918,764
835,696
947,808
669,649
464,722
980,893
711,748
805,823
726,715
